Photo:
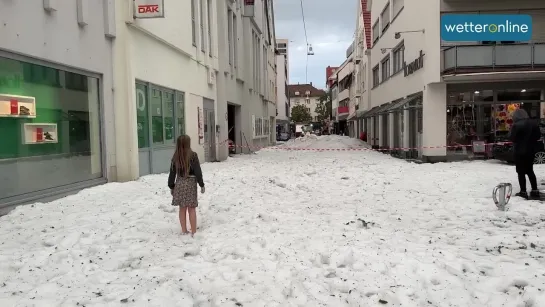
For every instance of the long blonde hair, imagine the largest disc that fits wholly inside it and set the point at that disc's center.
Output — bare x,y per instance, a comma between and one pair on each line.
182,155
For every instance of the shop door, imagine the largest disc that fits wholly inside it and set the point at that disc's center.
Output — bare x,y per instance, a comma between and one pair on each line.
209,131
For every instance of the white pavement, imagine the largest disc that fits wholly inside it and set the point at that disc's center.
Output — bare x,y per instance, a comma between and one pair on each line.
285,228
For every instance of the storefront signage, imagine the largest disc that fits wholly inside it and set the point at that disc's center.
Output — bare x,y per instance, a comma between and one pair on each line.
140,99
409,69
248,8
149,9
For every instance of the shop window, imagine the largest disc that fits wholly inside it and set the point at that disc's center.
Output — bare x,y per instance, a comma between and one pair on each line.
43,75
142,115
519,94
50,133
75,82
168,107
156,116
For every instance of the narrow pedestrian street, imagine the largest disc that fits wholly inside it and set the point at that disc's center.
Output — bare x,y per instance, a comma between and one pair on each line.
285,228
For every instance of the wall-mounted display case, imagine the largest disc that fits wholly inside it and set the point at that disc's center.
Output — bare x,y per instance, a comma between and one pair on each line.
40,133
17,106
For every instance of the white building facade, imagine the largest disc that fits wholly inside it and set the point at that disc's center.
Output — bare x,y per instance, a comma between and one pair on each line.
106,100
247,82
438,101
56,99
165,71
306,95
282,69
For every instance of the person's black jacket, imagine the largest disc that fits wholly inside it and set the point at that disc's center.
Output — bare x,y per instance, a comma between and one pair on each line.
194,170
524,134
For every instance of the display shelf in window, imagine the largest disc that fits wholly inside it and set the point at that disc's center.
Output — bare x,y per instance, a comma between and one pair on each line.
40,133
17,106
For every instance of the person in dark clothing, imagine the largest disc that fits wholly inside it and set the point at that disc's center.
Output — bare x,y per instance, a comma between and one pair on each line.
185,174
525,134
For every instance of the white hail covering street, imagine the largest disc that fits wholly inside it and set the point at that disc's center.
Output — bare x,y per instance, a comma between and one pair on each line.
285,228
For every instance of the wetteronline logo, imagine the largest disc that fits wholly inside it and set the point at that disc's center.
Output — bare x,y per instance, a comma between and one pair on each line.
480,27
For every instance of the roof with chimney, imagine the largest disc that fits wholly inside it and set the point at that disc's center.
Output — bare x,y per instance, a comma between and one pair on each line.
304,90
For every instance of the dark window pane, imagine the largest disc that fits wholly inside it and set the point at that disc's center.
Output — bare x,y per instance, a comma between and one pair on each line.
168,107
156,116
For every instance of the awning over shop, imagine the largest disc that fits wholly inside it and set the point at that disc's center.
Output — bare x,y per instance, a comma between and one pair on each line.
406,103
377,110
343,117
359,114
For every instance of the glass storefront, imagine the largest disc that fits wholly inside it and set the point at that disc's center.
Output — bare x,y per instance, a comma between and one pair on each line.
160,115
476,118
49,126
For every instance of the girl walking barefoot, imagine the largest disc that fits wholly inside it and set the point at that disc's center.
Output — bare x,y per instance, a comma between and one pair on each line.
185,174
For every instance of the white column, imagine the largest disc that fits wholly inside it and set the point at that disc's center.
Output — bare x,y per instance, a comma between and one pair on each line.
391,126
221,118
126,132
371,135
94,122
381,131
434,116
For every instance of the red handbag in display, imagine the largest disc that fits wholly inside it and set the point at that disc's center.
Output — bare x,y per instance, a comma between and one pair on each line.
39,134
14,107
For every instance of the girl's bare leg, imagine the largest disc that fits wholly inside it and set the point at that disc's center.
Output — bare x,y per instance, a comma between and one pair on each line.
183,219
192,219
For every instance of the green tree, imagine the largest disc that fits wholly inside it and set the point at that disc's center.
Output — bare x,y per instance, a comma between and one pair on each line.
300,114
323,108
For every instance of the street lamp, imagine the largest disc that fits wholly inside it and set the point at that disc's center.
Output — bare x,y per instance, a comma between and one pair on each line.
397,35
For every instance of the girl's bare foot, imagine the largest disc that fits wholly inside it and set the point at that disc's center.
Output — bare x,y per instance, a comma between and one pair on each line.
185,232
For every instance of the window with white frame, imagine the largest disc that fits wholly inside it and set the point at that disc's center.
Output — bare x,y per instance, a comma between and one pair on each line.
193,23
385,68
230,34
376,76
258,126
376,33
201,10
209,26
266,127
264,74
385,17
235,40
397,6
398,57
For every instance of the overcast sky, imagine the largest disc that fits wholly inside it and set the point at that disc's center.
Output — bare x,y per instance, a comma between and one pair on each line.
330,30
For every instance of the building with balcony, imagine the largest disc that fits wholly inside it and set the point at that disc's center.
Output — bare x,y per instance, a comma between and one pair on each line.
427,95
282,81
344,88
306,95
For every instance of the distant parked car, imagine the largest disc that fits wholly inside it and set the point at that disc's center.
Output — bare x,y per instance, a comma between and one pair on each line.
504,152
283,137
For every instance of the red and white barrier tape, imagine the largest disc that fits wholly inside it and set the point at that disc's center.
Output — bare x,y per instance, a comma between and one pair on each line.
360,149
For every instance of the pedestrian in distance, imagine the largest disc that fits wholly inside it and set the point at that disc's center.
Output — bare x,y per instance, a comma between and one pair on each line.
185,174
525,135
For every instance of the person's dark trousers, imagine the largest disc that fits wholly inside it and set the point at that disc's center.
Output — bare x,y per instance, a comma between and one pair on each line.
524,165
